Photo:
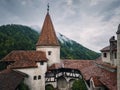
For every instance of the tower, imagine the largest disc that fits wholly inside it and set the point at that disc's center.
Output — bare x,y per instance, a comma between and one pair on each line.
48,41
118,58
113,45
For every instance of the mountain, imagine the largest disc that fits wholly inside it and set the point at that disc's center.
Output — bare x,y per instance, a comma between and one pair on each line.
19,37
73,50
16,37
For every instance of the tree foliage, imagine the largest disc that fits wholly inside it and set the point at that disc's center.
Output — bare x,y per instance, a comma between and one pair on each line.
16,37
23,86
49,87
79,85
75,50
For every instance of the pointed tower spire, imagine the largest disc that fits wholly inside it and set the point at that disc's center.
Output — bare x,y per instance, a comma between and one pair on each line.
48,8
47,36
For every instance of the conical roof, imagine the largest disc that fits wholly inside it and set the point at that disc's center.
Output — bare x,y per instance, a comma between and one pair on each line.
118,31
47,36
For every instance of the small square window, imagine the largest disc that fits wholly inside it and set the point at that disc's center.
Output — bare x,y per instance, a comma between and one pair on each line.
105,54
35,77
39,77
49,52
41,63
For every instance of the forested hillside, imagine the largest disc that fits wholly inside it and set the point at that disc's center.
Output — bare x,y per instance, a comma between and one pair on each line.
19,37
16,37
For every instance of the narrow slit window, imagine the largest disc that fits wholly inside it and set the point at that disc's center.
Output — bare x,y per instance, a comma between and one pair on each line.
115,55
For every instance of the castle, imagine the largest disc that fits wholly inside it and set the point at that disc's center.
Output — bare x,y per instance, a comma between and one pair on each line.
44,67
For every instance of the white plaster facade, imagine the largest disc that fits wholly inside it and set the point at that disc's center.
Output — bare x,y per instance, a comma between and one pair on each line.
54,57
118,61
38,84
107,58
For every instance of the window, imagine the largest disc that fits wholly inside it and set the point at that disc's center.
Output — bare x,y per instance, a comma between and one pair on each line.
105,55
39,77
41,63
35,77
115,55
49,52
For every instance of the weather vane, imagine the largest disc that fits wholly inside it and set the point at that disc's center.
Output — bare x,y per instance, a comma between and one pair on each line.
48,7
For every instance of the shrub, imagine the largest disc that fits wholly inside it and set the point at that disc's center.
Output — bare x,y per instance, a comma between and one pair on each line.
23,86
79,85
49,87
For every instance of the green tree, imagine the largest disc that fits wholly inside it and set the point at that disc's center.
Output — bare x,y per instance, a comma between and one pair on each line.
49,87
79,85
23,86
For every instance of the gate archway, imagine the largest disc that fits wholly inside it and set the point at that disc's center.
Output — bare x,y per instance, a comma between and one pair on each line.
62,83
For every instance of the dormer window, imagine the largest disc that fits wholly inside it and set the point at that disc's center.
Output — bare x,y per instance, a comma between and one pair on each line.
49,52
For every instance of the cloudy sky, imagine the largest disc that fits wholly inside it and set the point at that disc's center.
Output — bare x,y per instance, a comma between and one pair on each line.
89,22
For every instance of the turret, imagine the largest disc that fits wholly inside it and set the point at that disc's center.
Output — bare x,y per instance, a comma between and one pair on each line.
113,45
48,41
118,58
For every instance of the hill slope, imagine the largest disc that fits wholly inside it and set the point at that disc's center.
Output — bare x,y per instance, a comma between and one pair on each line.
19,37
73,50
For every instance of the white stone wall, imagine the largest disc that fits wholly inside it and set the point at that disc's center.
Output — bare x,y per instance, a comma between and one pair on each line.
115,62
55,53
38,84
118,62
106,59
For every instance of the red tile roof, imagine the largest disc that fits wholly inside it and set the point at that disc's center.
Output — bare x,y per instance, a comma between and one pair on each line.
25,55
55,66
88,69
23,64
108,65
9,79
47,36
107,48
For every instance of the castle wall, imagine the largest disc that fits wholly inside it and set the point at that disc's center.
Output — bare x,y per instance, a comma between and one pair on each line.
118,62
54,57
36,76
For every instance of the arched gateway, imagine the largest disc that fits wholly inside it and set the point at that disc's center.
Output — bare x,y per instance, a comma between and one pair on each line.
62,78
